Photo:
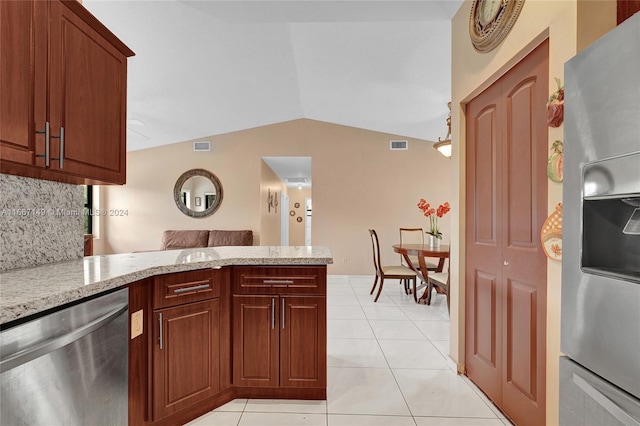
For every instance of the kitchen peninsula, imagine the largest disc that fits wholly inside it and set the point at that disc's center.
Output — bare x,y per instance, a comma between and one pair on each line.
205,325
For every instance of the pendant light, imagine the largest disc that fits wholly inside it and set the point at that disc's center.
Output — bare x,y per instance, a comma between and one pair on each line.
444,146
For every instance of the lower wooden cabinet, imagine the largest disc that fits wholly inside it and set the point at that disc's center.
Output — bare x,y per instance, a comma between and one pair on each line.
186,358
194,346
303,341
279,341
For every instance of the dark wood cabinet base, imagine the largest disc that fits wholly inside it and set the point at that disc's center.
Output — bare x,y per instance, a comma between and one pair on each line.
282,393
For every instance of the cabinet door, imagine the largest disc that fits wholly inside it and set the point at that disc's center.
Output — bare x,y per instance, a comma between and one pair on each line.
23,80
255,341
186,356
88,77
303,341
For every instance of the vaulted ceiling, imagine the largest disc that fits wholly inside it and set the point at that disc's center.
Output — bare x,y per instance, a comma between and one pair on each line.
212,67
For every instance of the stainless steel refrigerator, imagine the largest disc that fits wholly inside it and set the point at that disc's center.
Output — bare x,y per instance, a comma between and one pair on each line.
600,374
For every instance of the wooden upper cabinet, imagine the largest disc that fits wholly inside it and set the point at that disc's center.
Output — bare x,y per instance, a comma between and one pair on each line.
66,69
88,78
23,100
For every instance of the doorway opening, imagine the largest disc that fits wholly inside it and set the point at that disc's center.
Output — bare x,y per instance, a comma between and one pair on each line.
295,198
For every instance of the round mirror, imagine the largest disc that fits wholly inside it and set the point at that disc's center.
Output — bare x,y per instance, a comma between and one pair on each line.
198,193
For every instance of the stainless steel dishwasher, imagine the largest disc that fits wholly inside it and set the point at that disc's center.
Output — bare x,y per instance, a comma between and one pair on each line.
68,367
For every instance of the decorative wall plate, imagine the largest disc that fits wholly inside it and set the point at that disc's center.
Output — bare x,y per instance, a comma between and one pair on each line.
292,213
490,22
296,205
551,234
554,164
299,219
555,106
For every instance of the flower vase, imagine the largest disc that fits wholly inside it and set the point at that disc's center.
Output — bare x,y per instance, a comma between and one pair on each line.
434,242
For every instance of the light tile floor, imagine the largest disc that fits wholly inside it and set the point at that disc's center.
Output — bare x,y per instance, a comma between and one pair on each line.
387,365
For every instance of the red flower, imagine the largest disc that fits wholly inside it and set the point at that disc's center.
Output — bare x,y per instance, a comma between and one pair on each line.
428,211
443,209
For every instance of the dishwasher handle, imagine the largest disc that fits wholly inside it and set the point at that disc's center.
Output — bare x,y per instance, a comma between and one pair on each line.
43,348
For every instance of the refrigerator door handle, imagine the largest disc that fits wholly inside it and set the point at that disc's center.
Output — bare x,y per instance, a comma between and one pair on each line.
605,401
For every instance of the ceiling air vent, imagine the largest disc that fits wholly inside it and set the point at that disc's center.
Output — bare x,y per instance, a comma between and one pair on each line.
297,180
202,146
398,145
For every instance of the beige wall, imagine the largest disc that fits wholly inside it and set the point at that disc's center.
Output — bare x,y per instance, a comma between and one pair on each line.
472,72
358,183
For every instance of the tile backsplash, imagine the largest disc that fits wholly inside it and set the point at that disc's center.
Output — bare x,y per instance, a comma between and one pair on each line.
40,222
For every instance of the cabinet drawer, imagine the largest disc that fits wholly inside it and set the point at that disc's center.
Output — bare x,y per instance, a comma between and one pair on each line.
186,287
280,279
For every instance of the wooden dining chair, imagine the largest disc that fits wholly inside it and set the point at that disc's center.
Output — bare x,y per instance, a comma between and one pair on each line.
393,272
440,280
414,236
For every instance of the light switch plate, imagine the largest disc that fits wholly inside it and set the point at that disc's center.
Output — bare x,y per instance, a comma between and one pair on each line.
136,324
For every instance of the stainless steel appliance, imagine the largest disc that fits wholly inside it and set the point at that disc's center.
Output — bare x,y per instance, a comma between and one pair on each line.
600,377
68,367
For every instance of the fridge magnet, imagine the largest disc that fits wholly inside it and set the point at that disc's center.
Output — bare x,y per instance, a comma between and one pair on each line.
554,164
551,234
555,106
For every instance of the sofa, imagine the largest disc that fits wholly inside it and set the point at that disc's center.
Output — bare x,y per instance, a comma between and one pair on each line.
182,239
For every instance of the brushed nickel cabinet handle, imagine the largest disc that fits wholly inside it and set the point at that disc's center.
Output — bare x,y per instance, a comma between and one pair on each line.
160,322
47,138
61,158
194,288
277,281
273,313
283,313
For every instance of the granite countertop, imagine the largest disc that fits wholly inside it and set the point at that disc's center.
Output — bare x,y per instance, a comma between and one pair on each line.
27,291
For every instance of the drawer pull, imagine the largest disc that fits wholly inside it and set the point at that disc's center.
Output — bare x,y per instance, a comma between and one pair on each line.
188,289
160,333
273,313
278,281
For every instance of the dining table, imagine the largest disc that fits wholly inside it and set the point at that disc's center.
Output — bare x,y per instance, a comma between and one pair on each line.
421,252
